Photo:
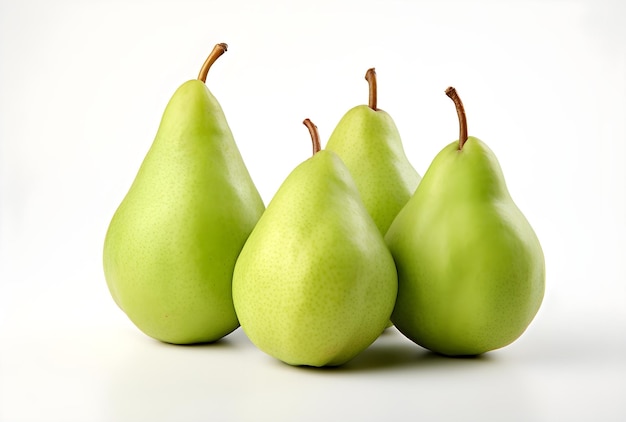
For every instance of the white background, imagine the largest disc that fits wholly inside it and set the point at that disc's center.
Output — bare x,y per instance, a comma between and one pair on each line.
82,89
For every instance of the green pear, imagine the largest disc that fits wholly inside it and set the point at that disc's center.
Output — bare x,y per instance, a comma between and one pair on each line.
367,140
171,246
315,283
471,271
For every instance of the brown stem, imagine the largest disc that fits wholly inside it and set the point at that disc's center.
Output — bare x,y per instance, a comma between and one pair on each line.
218,50
460,111
315,137
370,77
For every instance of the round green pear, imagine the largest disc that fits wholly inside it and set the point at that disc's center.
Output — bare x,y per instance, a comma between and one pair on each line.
471,271
171,246
315,283
368,142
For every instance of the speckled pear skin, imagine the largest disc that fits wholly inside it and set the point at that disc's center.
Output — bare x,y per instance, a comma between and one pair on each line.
171,246
369,144
315,283
471,270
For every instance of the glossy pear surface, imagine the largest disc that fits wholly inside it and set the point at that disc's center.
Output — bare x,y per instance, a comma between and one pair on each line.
171,246
315,283
471,271
369,143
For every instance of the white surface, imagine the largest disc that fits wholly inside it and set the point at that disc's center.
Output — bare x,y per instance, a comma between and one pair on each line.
82,89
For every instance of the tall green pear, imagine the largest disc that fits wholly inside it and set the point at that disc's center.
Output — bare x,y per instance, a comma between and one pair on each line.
171,246
367,140
315,283
471,271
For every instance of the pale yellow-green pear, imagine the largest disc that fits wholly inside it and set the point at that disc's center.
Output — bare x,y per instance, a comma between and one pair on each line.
368,142
471,271
315,283
171,246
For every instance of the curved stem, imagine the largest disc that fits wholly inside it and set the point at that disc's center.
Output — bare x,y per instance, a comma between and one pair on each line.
460,111
218,50
315,137
370,77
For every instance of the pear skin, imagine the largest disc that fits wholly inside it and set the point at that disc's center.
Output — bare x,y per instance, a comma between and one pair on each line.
315,283
368,141
171,246
471,270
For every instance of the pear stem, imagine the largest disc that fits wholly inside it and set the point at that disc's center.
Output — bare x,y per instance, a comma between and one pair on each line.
460,111
315,137
370,77
218,50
